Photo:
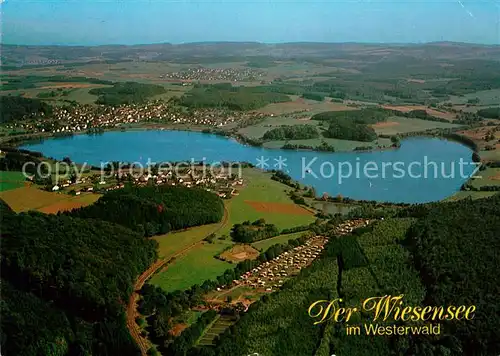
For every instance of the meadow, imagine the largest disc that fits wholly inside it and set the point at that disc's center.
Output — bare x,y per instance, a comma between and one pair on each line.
493,155
30,197
173,242
196,266
298,104
11,180
470,194
199,263
397,125
489,177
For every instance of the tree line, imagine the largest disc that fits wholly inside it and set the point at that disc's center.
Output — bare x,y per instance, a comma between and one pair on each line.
248,232
294,132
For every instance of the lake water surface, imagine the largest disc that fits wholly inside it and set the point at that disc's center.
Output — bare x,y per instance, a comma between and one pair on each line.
421,170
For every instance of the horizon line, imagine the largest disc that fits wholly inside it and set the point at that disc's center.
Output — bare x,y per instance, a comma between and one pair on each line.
254,42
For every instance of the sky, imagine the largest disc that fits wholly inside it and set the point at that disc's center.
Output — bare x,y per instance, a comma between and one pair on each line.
96,22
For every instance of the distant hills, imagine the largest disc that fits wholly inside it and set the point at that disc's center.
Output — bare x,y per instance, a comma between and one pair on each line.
43,55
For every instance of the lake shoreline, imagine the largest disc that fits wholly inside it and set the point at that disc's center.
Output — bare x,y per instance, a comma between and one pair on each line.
20,140
327,172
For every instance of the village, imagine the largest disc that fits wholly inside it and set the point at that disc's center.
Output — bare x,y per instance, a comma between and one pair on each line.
231,74
95,119
224,184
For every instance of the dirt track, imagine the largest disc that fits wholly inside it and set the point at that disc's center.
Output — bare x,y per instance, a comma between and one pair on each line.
132,313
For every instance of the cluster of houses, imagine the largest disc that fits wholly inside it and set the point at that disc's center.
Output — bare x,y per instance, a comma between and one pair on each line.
86,184
227,74
272,274
92,118
224,185
350,225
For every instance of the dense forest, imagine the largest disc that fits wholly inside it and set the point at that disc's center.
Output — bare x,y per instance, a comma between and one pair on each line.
226,96
295,132
490,113
457,265
15,159
65,282
313,96
155,209
345,129
352,125
366,116
14,108
126,93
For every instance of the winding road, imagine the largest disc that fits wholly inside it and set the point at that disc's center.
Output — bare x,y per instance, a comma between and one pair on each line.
132,313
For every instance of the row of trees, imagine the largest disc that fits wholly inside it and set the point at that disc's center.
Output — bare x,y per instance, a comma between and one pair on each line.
247,232
294,132
284,178
490,113
322,147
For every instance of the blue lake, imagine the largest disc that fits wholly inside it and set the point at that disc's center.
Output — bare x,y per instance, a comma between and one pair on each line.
421,170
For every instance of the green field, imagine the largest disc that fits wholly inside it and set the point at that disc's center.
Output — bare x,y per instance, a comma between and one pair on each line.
171,243
30,197
199,263
396,125
11,180
281,239
490,155
261,188
486,179
193,268
473,195
489,177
